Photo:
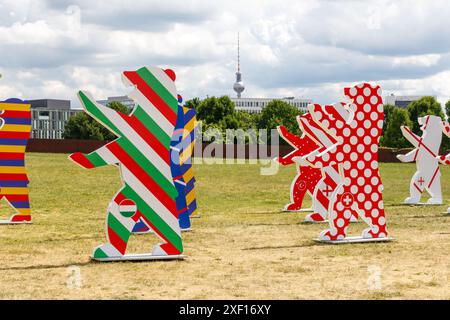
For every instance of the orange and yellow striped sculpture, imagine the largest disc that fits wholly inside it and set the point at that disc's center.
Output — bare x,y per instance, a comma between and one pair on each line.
15,128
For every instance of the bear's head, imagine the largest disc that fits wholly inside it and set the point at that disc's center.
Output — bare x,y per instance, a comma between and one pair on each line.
365,98
429,122
431,126
154,88
316,126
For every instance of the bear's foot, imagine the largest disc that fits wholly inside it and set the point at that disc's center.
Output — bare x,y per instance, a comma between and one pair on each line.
292,207
105,251
314,217
17,219
434,201
328,235
373,233
21,218
411,200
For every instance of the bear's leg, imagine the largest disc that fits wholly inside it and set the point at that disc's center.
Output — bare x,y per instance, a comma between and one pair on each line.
434,187
376,219
191,198
182,209
20,202
370,209
415,188
119,225
172,240
340,213
322,194
298,190
319,204
319,200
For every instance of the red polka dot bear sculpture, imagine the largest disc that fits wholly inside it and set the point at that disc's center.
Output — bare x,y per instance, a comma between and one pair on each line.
446,130
357,127
307,177
445,159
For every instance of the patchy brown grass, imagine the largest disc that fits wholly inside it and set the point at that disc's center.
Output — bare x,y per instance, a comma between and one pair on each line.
243,246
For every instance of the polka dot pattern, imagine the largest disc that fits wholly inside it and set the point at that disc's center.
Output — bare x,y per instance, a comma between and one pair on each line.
446,159
357,157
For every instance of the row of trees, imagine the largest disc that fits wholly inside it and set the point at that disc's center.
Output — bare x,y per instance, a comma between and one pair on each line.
395,117
219,113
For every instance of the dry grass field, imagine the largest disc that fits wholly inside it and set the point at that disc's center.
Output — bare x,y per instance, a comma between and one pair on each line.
243,246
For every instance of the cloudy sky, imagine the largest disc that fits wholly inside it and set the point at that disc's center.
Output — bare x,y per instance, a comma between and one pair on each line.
302,48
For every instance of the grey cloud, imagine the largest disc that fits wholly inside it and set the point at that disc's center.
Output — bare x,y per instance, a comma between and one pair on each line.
379,28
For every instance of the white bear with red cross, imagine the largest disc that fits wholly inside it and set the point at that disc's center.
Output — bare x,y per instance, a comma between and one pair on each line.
425,153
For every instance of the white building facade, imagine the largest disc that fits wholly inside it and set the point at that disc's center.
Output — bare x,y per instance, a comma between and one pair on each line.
125,100
255,105
49,117
402,101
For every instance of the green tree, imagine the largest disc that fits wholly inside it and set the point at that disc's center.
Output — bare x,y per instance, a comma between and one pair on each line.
193,103
445,140
247,120
83,126
213,110
447,109
278,112
422,107
388,108
392,136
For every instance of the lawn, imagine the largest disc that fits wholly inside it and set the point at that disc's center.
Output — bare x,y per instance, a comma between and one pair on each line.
243,246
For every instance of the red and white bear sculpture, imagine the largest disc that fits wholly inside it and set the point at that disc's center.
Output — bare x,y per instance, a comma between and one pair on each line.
325,138
445,159
307,177
425,153
357,128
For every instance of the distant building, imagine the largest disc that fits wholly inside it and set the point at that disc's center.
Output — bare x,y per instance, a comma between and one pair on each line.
49,117
401,101
125,100
255,105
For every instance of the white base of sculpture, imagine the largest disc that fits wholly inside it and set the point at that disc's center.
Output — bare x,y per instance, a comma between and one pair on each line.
355,239
14,222
141,257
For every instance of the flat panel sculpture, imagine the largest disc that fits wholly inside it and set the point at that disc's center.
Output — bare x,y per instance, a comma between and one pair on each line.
15,128
307,177
190,133
425,153
142,152
356,128
176,149
183,143
445,159
325,139
181,150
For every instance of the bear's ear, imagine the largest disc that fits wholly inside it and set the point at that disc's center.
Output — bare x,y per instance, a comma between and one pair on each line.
171,74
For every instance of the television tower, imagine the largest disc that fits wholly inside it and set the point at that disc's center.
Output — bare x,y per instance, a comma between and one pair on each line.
238,85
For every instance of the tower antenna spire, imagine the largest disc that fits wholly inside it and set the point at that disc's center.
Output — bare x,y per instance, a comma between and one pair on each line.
239,56
238,85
